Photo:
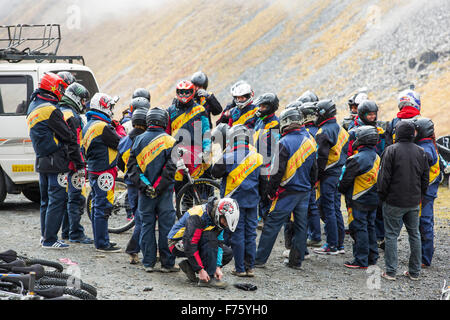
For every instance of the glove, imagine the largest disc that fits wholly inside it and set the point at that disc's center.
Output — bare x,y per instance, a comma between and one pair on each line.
150,192
202,93
115,123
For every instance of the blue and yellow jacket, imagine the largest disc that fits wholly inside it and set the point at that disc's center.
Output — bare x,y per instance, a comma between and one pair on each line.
53,142
435,170
100,142
358,181
381,145
124,150
240,170
266,136
150,161
246,116
312,129
332,141
189,229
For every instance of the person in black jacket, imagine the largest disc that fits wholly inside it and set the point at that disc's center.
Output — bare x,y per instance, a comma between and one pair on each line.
402,184
204,98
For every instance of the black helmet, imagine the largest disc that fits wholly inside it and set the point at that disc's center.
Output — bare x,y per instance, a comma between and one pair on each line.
424,128
200,79
364,108
309,111
139,103
268,99
308,96
157,117
326,109
365,136
67,77
79,95
219,134
294,105
239,133
139,117
290,116
357,98
141,92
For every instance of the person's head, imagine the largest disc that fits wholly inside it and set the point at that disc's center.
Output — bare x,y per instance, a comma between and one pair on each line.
326,109
141,93
239,134
308,96
409,98
424,128
226,213
139,118
242,94
53,84
67,77
157,117
309,111
139,103
101,102
356,100
290,118
79,95
405,131
200,80
185,91
267,104
367,112
366,135
219,134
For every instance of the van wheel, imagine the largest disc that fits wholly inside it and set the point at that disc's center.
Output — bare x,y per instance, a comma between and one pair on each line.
2,186
32,194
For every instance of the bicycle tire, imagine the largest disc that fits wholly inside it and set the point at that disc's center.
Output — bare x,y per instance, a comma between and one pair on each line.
63,283
65,276
46,263
188,187
74,292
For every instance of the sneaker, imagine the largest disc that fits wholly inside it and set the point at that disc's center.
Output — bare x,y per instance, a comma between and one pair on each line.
260,265
175,268
109,249
314,243
250,273
112,244
238,274
411,277
213,283
424,266
84,240
341,250
134,258
388,277
289,265
188,271
149,269
286,253
41,241
58,245
353,265
325,249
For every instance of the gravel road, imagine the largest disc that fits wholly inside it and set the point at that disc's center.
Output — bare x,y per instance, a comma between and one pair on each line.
321,278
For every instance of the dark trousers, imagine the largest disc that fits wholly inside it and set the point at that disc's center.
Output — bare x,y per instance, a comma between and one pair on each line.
362,230
133,200
71,226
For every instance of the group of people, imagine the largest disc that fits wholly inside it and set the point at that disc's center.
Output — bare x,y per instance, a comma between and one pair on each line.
277,171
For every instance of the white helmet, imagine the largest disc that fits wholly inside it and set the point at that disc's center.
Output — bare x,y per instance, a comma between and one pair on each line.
104,103
228,208
239,89
409,98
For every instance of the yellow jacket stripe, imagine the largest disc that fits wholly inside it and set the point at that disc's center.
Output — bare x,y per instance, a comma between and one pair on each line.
336,150
298,158
435,171
184,118
252,161
39,114
153,149
243,118
366,181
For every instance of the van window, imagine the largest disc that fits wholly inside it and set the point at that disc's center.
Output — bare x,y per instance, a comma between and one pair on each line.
84,78
15,92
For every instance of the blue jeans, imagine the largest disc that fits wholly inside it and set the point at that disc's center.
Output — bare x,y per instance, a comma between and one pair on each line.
133,200
71,226
53,198
243,239
330,205
313,218
161,207
394,217
426,228
362,230
298,205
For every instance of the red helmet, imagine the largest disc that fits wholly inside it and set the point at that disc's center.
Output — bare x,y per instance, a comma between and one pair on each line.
54,84
185,91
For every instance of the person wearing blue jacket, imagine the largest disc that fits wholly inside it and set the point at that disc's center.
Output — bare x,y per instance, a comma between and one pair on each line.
425,138
332,141
358,184
240,171
293,174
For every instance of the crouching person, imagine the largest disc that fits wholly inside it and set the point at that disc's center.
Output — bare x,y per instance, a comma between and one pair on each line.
358,184
151,168
198,236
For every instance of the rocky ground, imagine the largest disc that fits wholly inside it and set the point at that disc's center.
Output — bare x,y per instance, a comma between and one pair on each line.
322,278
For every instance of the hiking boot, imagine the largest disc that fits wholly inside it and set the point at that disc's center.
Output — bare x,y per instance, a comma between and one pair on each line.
353,265
410,276
314,243
238,274
174,268
289,265
388,277
84,240
188,271
110,248
325,249
250,273
213,283
134,258
57,245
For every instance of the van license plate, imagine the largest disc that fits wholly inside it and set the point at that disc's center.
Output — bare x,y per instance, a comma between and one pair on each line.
23,168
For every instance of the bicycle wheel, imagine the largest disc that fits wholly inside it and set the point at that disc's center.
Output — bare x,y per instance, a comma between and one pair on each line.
63,283
118,222
194,194
29,261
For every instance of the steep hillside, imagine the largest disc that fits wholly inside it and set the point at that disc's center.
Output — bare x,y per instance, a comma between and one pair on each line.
331,47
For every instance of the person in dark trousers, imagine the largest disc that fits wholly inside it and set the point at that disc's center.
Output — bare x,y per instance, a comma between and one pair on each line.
72,105
55,147
358,184
198,237
139,122
402,184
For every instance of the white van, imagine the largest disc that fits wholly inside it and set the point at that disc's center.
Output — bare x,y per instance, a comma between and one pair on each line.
17,82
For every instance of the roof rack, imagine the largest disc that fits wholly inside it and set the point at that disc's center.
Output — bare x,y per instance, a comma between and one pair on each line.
20,37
